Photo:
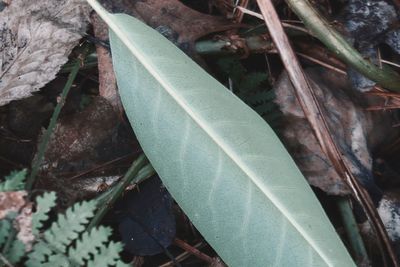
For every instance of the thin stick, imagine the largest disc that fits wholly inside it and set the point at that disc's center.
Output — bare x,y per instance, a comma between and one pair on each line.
192,250
336,43
284,24
5,261
323,64
181,257
314,115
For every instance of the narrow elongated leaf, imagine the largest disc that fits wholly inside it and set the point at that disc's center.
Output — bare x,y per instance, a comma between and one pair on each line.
221,162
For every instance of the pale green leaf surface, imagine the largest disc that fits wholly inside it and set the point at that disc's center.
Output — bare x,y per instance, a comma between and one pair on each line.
88,243
14,181
16,252
69,225
221,162
44,204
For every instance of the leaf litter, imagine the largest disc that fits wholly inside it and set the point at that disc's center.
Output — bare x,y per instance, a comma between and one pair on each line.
90,135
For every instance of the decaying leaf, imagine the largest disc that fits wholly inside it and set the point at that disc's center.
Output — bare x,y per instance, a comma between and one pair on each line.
16,202
24,225
84,141
11,202
367,23
36,38
389,211
76,136
350,125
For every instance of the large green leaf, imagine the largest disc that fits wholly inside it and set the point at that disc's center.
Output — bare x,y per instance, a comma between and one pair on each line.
221,162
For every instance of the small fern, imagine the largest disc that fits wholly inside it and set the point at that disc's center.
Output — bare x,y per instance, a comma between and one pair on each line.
13,182
108,256
89,243
68,227
252,88
16,252
65,243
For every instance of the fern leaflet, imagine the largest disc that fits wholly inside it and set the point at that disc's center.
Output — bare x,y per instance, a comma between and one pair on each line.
68,226
39,254
16,252
14,181
43,205
88,244
5,227
108,255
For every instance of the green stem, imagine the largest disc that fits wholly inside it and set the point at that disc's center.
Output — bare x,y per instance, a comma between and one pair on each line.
338,45
352,230
144,173
90,62
5,261
254,44
114,194
10,240
46,137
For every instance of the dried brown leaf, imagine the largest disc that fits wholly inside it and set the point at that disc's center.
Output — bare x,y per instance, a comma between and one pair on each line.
11,202
36,39
348,119
318,123
189,24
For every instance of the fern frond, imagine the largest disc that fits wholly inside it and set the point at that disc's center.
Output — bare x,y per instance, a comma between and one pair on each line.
88,244
57,260
5,227
260,97
108,255
14,182
43,205
16,252
40,252
122,264
252,81
68,226
263,103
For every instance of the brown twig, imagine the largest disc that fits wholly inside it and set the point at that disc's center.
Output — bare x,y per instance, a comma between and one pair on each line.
314,115
286,25
192,250
101,166
183,256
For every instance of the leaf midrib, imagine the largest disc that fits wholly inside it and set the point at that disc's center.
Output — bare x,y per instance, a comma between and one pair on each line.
181,102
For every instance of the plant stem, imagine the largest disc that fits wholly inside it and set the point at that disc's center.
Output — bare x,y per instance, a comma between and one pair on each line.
352,230
5,261
254,44
46,137
10,240
144,173
114,194
338,45
90,62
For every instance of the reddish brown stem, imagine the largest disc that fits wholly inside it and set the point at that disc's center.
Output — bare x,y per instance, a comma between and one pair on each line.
192,250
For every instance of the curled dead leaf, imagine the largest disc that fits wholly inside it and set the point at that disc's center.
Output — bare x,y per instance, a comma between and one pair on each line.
350,124
36,38
11,202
